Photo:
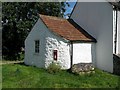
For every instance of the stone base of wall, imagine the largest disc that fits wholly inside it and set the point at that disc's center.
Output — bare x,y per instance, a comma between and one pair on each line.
116,64
83,68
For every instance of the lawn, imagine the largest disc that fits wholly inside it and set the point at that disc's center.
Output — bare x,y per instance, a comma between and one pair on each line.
21,76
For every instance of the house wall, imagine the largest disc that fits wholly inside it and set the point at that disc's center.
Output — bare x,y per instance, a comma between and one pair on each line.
114,29
84,53
37,33
96,19
118,39
118,32
54,42
48,42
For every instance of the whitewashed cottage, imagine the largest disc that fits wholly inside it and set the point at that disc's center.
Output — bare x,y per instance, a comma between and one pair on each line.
59,40
86,37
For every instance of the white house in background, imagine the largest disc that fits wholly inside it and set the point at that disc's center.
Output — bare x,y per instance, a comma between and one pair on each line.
59,40
97,19
117,32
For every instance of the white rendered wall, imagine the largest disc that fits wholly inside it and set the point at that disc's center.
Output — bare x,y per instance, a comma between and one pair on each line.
114,29
118,37
54,42
118,32
83,53
96,19
37,33
48,42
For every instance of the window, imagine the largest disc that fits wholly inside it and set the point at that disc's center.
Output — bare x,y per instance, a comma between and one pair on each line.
55,54
37,46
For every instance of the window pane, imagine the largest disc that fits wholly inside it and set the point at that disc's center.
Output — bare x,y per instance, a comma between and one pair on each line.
37,46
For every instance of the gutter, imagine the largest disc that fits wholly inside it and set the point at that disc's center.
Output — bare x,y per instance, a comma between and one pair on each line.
115,41
71,53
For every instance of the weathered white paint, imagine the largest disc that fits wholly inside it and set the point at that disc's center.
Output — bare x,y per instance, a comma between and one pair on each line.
54,42
96,19
48,43
37,33
83,53
114,29
118,34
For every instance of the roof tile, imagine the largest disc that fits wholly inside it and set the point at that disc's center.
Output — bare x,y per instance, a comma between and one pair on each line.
68,29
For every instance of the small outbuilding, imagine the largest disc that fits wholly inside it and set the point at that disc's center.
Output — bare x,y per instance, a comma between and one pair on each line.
59,40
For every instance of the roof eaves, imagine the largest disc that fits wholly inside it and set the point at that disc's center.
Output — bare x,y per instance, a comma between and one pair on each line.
82,30
83,41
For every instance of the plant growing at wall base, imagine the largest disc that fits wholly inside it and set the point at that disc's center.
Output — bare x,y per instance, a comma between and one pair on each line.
54,68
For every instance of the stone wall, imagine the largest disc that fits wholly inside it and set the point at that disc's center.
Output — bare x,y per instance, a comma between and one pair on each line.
54,42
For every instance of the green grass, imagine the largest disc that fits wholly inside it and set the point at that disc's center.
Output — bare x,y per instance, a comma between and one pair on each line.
21,76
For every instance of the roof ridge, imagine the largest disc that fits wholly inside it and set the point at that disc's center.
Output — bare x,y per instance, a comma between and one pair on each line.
52,17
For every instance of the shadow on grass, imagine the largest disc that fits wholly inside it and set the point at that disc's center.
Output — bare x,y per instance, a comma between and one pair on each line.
22,63
116,67
119,83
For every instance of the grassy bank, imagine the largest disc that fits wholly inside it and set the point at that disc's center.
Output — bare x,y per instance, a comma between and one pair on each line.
21,76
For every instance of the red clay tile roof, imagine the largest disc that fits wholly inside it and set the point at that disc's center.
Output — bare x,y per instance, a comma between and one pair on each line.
67,29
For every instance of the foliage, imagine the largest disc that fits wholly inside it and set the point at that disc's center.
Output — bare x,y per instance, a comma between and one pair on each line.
21,76
54,67
21,56
17,20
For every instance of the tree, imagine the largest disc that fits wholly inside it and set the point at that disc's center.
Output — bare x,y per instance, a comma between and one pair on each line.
17,20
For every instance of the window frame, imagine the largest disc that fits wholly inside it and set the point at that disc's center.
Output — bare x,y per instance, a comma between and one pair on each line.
37,46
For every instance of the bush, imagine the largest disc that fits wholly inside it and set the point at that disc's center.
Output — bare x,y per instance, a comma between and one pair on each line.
54,68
